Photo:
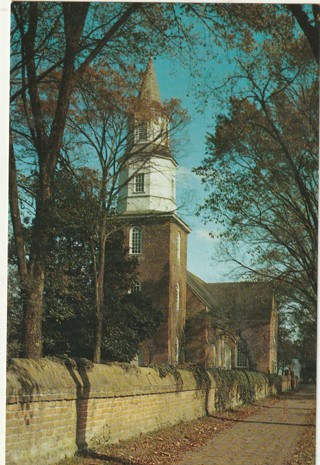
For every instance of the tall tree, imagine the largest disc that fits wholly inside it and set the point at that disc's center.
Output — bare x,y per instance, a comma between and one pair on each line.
52,46
47,142
261,170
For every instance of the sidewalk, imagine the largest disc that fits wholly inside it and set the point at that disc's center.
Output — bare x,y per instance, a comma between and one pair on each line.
267,438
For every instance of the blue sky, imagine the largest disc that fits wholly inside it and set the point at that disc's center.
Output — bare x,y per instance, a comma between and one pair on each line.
175,81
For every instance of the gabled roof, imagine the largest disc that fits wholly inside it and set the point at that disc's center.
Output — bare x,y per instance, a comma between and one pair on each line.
199,287
247,302
149,89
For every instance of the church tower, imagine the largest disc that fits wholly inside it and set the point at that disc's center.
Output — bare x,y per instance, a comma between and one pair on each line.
155,234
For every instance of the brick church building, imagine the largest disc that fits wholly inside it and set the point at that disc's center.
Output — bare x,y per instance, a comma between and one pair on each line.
157,237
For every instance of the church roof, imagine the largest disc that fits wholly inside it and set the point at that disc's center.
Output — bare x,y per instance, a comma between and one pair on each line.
149,89
200,288
145,216
250,302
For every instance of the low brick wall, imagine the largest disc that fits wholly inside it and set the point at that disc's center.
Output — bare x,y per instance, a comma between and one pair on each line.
289,382
54,410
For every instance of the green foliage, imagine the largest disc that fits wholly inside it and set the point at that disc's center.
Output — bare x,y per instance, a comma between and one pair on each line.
243,346
241,381
201,376
165,369
73,362
126,367
129,322
14,321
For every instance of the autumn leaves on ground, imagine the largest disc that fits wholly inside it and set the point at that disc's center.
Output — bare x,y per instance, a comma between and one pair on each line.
167,446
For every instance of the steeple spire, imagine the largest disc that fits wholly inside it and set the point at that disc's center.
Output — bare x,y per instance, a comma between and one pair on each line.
149,89
148,177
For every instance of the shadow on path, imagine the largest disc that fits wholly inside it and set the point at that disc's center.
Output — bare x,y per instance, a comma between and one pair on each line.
305,409
107,458
303,394
234,420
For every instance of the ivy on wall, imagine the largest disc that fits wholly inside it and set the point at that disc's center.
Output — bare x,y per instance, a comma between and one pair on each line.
229,383
241,382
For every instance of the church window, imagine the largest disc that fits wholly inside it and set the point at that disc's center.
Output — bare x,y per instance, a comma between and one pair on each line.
274,366
139,183
135,287
135,240
178,246
142,131
214,355
172,188
177,350
227,356
218,353
177,297
242,359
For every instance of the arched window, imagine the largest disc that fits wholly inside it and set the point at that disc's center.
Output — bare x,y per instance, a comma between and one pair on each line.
135,240
177,297
178,246
227,356
172,189
242,359
218,353
177,350
214,355
135,286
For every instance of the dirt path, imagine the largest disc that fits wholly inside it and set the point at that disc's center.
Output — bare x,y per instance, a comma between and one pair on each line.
267,438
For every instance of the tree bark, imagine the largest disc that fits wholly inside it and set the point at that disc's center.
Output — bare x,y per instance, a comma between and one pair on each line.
15,213
100,272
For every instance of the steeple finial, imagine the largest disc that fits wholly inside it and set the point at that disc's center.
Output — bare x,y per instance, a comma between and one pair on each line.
149,89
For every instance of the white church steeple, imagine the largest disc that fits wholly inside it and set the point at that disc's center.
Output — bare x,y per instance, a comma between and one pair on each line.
149,89
148,178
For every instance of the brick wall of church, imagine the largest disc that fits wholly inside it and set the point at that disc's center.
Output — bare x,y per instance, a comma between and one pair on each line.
262,341
258,338
178,276
199,335
195,330
160,270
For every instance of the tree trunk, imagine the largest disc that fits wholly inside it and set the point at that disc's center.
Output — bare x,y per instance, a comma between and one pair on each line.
32,318
15,213
100,268
98,271
33,294
48,151
99,323
99,283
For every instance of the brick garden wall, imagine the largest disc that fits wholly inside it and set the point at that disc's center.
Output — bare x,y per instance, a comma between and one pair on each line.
54,410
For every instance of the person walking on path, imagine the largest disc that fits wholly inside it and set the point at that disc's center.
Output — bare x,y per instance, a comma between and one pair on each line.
267,438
